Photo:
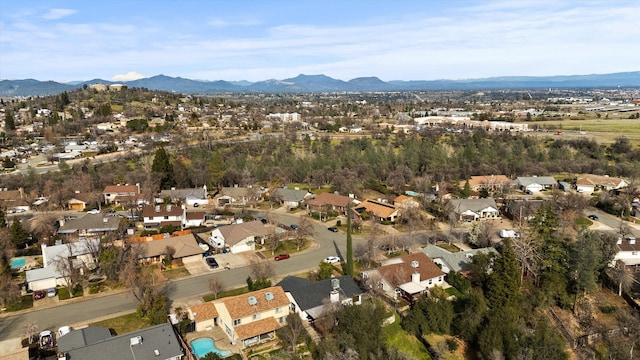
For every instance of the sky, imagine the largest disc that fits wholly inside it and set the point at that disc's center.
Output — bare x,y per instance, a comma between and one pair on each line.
257,40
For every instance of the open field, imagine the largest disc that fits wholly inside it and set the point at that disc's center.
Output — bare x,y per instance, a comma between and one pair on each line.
601,130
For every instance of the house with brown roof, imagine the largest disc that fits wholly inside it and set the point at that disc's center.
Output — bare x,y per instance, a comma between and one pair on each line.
378,210
410,274
253,317
240,237
185,248
13,199
90,226
204,315
161,215
490,183
119,194
80,200
406,202
194,218
238,196
589,183
628,251
324,202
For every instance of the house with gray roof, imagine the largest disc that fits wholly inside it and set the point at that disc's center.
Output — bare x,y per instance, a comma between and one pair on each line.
534,184
474,209
240,237
83,254
291,198
189,197
236,196
456,262
153,343
90,226
309,298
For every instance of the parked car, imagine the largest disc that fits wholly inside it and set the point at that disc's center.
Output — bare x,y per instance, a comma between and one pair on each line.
46,339
38,294
93,211
64,330
282,257
212,262
333,229
331,259
593,217
51,292
294,226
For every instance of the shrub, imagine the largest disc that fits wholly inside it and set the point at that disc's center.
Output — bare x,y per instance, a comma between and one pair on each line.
607,309
452,344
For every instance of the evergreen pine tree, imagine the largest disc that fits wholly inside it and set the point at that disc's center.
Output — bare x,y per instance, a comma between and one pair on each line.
349,262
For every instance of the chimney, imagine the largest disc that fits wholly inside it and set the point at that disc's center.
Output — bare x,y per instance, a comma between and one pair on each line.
21,191
334,296
415,277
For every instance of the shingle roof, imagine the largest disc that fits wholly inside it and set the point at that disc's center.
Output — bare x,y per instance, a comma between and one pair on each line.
475,205
90,223
83,337
120,189
400,268
239,307
256,328
599,180
200,193
488,180
160,339
309,294
378,209
289,195
330,199
459,261
184,245
204,311
163,210
542,180
235,233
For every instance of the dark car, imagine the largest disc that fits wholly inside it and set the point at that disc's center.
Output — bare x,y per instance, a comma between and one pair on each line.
333,229
39,294
282,257
593,217
212,262
294,227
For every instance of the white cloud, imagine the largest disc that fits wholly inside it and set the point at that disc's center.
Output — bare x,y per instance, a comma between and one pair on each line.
55,14
131,75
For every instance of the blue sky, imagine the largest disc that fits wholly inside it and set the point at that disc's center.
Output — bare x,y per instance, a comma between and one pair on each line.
259,40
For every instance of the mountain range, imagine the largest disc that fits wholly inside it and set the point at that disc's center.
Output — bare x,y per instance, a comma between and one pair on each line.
322,83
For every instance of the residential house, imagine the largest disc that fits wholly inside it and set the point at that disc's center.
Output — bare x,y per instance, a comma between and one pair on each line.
239,237
290,198
90,226
522,210
248,318
456,262
162,215
324,202
589,183
158,342
533,184
122,194
185,249
237,196
253,317
474,209
410,275
628,251
13,199
406,202
80,200
194,218
378,210
310,299
490,183
55,259
192,197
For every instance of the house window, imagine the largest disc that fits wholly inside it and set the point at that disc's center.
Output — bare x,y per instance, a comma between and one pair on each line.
282,320
166,218
278,310
430,281
236,322
634,253
440,279
256,317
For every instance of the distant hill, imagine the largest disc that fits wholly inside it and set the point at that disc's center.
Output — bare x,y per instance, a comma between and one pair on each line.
323,83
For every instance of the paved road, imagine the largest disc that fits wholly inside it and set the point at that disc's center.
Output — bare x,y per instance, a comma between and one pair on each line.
81,312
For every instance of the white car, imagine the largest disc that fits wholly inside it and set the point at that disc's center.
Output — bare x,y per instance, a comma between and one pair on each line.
64,330
331,259
93,211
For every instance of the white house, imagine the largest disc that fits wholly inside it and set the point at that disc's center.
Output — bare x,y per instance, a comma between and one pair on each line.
589,183
160,215
628,251
51,274
239,237
474,209
534,184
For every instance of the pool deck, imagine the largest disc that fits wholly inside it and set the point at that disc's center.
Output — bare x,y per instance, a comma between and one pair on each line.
220,338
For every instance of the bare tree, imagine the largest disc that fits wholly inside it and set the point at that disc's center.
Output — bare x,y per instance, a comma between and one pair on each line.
262,270
216,285
527,250
30,331
304,230
9,291
69,268
621,275
43,226
292,332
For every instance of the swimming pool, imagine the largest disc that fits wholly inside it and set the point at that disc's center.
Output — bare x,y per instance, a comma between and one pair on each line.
18,263
203,346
